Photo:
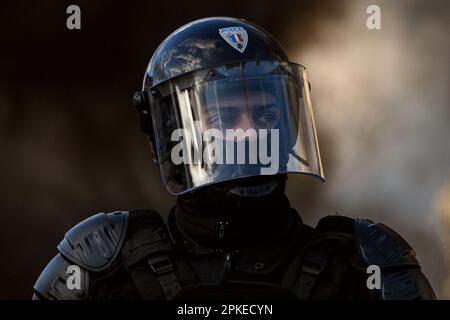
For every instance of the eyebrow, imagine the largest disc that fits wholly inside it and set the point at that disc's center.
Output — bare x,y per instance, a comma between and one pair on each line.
237,108
264,107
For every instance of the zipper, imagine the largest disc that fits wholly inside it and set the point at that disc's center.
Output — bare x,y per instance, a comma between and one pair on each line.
228,262
222,226
228,258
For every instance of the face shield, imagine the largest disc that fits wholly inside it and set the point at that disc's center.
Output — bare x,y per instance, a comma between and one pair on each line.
234,121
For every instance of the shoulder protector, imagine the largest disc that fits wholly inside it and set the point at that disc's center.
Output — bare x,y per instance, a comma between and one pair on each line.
95,242
52,282
401,275
380,245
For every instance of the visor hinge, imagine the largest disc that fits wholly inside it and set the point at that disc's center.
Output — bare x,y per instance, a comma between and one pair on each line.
141,102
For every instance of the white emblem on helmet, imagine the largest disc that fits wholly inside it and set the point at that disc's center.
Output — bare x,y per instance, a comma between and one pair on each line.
236,37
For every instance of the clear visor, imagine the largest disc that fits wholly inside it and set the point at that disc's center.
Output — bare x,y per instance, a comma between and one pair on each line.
234,121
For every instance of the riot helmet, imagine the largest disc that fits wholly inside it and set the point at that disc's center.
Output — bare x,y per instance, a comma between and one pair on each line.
221,101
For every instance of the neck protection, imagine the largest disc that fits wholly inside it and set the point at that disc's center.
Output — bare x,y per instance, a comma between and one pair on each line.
236,213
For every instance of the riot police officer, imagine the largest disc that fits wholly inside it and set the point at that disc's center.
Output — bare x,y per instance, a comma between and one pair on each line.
228,116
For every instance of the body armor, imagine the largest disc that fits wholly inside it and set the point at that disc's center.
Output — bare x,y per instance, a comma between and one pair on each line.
135,255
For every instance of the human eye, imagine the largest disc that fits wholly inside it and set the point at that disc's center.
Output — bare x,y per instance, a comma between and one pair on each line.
223,120
267,117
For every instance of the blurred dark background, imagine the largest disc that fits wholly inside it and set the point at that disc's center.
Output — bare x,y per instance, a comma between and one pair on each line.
70,137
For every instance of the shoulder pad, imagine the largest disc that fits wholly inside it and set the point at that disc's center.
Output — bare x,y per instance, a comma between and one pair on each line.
406,284
95,242
52,282
380,245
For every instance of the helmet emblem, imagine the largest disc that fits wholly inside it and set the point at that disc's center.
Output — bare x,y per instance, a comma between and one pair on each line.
236,37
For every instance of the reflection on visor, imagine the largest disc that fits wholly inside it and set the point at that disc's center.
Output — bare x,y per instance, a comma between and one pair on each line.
251,68
242,121
239,105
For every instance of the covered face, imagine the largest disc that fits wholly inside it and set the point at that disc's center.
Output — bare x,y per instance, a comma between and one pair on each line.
234,121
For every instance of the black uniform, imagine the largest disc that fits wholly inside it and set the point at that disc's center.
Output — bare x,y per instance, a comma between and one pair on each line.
238,251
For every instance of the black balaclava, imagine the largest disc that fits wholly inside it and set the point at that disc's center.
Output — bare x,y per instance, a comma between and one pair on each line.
242,213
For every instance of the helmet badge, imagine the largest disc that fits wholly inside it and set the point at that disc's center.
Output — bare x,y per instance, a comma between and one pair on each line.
236,37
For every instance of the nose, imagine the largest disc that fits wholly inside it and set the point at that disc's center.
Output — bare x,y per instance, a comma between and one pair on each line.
245,123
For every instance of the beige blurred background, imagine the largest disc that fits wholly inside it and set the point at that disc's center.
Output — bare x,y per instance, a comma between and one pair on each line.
382,107
70,141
